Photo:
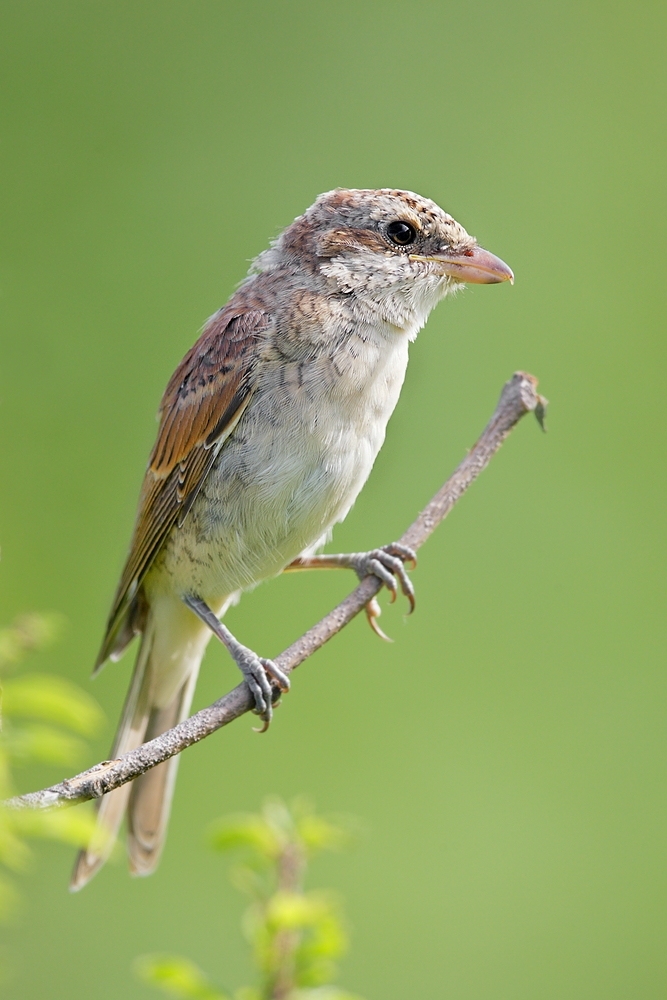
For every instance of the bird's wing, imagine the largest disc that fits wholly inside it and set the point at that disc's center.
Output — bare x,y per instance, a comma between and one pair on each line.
202,404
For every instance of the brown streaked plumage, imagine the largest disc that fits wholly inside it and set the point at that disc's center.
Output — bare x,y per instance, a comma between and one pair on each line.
203,401
268,430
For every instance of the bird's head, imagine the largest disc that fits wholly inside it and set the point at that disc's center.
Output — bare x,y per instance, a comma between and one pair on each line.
394,251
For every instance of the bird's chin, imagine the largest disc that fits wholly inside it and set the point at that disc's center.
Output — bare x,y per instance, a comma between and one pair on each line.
452,286
415,303
446,287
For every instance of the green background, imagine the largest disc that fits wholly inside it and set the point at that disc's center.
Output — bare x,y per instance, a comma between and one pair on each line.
507,752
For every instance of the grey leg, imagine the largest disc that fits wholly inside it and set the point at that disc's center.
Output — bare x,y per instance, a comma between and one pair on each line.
256,670
387,563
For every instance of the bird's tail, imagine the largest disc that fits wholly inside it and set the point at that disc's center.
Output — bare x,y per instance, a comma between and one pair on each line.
160,696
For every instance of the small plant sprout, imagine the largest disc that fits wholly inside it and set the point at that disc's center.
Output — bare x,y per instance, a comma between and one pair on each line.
44,718
296,936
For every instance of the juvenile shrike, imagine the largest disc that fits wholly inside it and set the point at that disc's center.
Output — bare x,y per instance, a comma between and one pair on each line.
268,430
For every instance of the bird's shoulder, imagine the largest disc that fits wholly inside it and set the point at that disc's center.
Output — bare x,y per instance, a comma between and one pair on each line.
204,400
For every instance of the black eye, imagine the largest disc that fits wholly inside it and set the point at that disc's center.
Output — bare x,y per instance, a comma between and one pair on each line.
401,233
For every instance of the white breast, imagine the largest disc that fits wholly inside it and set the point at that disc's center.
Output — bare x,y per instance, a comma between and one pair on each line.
293,467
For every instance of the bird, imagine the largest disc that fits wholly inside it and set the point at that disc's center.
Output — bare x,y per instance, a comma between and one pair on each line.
268,430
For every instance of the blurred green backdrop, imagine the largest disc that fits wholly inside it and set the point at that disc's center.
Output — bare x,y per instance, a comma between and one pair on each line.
507,752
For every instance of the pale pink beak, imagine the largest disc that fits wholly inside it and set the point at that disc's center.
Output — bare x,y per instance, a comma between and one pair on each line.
477,267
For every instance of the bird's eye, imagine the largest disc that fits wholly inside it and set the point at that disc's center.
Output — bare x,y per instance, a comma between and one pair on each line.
401,233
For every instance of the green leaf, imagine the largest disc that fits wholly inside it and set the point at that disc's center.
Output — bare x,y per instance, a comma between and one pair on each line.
45,745
177,977
245,831
292,910
328,939
251,880
72,826
52,699
318,834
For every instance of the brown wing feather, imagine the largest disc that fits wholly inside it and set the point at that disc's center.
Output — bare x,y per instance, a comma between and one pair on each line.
205,396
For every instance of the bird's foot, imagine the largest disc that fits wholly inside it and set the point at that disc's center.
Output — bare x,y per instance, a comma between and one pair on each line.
258,672
388,565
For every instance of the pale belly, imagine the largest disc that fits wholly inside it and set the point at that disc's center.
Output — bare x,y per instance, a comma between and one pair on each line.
291,470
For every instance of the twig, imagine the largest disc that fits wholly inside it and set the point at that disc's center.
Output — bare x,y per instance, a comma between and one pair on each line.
291,865
519,396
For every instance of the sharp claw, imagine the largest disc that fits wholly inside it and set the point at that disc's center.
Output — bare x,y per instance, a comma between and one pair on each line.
378,631
265,714
404,552
388,563
407,589
373,612
265,710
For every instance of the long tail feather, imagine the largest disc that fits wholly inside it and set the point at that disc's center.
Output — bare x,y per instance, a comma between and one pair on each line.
152,792
111,807
160,696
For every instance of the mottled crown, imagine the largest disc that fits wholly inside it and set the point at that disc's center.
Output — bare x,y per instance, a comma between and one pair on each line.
348,220
359,207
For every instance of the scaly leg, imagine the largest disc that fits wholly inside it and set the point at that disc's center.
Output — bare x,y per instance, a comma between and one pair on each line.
256,669
386,563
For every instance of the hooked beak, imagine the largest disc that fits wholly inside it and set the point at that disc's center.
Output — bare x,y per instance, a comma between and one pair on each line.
477,267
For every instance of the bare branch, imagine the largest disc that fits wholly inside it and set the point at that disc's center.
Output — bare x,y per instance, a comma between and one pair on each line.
519,396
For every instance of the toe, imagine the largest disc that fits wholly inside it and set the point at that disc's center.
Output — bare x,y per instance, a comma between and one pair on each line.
259,684
383,572
262,703
395,556
404,552
278,675
406,585
409,592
